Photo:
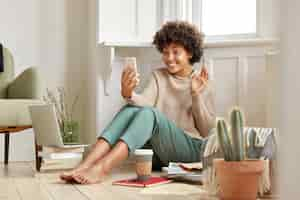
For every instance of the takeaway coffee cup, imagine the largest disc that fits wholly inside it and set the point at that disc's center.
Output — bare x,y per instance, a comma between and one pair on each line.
143,166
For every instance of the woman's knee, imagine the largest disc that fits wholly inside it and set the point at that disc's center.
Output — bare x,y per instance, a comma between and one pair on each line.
146,111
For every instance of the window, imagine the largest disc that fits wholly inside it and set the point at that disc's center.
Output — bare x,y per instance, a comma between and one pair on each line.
230,17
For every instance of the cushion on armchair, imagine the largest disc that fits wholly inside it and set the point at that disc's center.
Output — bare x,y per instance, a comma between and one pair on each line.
26,86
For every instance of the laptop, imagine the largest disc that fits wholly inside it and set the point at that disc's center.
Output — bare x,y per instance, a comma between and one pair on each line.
46,127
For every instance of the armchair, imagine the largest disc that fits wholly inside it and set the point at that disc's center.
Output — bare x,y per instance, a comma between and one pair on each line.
16,94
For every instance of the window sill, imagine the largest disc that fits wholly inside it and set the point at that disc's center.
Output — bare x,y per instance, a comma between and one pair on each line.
207,43
240,42
126,44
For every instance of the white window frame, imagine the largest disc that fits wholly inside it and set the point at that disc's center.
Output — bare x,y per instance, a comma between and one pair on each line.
267,26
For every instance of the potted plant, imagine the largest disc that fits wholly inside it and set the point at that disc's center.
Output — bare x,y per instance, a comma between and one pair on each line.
237,176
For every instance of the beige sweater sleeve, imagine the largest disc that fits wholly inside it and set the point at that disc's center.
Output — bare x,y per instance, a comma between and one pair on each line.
148,96
204,109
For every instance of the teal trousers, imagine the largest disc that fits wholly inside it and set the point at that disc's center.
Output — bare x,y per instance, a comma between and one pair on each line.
139,127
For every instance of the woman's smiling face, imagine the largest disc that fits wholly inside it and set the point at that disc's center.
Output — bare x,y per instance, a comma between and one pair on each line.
176,58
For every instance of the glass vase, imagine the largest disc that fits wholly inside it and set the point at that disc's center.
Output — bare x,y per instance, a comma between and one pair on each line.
70,132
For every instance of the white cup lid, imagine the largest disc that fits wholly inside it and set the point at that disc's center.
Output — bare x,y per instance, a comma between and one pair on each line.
140,152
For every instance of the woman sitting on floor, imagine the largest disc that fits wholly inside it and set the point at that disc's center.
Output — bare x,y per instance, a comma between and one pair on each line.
174,113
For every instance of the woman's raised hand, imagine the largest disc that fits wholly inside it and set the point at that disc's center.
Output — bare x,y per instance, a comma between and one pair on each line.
199,81
129,81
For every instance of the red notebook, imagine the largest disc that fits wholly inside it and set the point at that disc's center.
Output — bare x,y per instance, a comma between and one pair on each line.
148,183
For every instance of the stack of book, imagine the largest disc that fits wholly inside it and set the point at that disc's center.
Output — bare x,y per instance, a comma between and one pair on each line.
190,172
54,158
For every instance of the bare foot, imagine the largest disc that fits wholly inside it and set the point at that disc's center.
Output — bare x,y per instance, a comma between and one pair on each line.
68,175
94,174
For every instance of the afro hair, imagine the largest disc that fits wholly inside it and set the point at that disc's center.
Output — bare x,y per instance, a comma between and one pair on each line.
182,33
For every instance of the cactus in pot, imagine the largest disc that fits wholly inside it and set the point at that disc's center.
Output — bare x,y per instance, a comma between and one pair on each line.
232,142
237,176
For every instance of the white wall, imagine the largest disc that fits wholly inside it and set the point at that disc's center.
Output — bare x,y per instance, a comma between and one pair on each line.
52,35
290,98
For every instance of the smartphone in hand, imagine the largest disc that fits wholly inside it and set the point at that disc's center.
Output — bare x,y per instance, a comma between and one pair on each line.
130,62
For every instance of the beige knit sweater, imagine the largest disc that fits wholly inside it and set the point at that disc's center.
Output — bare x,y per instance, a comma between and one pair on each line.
171,95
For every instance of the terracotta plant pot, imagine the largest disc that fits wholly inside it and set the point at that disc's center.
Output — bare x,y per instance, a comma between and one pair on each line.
238,180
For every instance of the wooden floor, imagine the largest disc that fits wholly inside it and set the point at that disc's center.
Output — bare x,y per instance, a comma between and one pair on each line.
18,181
